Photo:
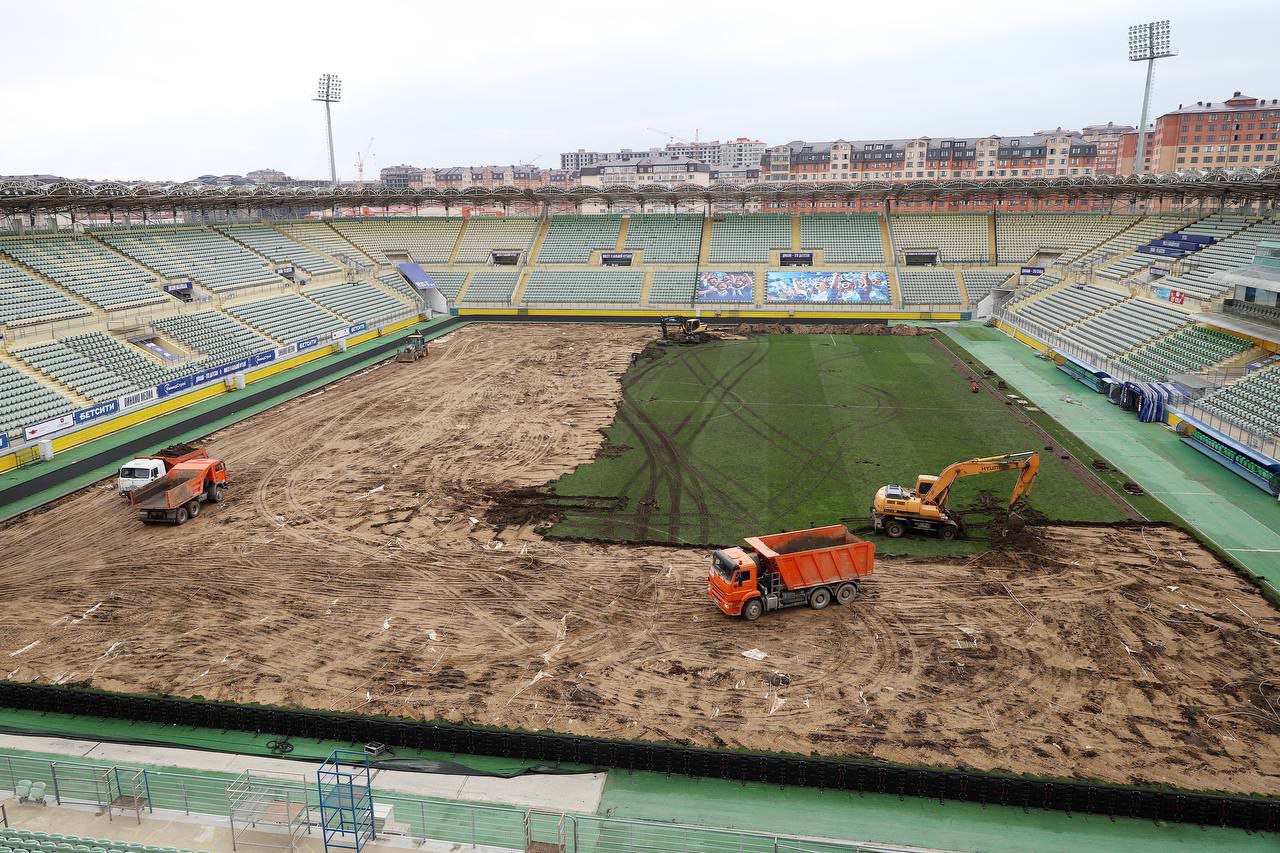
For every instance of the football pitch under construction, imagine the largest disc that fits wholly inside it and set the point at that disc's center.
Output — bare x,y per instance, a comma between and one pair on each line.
516,532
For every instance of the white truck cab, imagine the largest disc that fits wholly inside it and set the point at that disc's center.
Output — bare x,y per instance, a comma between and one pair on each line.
137,473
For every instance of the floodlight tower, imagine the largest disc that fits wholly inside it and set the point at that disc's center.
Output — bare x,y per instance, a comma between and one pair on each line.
329,91
1147,43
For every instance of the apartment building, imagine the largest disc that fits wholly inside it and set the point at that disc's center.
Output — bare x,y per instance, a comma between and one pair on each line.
1241,131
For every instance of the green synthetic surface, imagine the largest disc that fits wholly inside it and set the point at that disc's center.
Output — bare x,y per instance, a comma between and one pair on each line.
911,821
778,432
91,448
1224,509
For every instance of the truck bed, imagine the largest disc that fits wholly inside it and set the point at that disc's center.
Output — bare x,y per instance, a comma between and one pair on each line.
169,492
820,555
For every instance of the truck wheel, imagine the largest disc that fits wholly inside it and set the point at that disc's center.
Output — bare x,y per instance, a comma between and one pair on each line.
894,528
216,495
846,592
180,516
193,508
948,532
752,609
820,598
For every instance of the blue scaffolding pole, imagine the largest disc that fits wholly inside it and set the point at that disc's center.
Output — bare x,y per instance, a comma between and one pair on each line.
346,801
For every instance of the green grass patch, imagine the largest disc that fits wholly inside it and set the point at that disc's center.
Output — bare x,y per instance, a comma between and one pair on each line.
733,438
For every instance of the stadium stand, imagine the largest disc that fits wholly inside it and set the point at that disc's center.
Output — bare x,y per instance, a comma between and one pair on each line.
97,366
1124,325
1252,402
214,334
32,841
666,238
978,283
286,318
1187,350
1140,231
396,282
1155,227
672,286
206,257
1068,305
748,238
1235,251
88,269
572,239
487,234
23,400
959,238
853,238
1040,285
491,286
25,300
423,240
274,245
449,282
928,287
357,301
584,286
320,237
1019,236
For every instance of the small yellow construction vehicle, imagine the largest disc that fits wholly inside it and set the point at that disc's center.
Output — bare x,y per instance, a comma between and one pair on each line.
684,330
415,348
898,509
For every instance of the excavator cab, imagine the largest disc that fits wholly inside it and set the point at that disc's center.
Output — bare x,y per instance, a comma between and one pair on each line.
924,483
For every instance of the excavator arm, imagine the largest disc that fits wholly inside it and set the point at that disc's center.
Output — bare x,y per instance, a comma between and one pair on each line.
1028,463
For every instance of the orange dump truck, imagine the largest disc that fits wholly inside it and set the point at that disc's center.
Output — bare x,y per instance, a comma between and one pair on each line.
789,569
177,495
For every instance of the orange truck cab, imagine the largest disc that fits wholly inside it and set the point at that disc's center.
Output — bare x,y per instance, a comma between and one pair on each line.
812,567
178,495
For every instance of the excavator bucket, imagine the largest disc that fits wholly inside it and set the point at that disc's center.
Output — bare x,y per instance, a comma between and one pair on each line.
1015,523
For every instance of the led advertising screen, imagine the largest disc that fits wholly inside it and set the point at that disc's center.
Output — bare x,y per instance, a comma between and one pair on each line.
867,288
719,286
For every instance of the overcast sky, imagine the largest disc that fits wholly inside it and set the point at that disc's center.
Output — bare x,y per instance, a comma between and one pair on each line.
173,90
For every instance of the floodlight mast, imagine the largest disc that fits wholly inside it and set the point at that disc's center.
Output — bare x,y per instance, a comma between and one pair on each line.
329,91
1147,43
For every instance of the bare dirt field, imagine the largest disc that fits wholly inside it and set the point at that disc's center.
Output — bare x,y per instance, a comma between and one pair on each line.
358,565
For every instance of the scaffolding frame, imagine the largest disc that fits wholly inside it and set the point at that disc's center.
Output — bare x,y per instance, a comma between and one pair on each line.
346,801
268,804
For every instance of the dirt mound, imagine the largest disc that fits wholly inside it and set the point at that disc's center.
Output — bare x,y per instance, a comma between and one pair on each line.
827,329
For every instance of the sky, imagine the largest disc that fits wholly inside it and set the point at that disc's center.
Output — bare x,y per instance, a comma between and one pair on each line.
173,90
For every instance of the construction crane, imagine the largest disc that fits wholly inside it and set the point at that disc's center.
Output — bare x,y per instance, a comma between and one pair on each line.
897,509
671,137
361,158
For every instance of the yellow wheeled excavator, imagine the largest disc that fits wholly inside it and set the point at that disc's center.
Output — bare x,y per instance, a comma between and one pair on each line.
898,509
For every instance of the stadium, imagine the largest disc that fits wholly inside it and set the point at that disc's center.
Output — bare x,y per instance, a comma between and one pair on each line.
360,517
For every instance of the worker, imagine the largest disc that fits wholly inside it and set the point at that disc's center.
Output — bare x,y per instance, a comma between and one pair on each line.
973,385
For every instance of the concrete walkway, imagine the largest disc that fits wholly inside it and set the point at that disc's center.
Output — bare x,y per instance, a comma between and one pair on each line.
1227,511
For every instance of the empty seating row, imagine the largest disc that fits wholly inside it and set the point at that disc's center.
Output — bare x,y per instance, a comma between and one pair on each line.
572,239
1069,305
215,334
126,360
1133,232
1232,252
1252,402
672,286
1019,236
425,240
665,238
1126,325
1187,350
750,237
490,286
32,841
25,300
1040,285
396,282
959,238
319,236
1218,226
206,257
448,282
357,301
76,370
87,268
485,235
24,400
853,238
286,318
928,287
270,243
978,283
584,286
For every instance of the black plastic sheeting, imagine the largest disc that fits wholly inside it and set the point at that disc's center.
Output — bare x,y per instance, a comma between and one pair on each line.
234,403
1253,814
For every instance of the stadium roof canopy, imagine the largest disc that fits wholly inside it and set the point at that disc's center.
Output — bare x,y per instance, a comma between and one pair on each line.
32,196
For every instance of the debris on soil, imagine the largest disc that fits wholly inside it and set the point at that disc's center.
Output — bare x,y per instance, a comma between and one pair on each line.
1132,488
754,654
1100,465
